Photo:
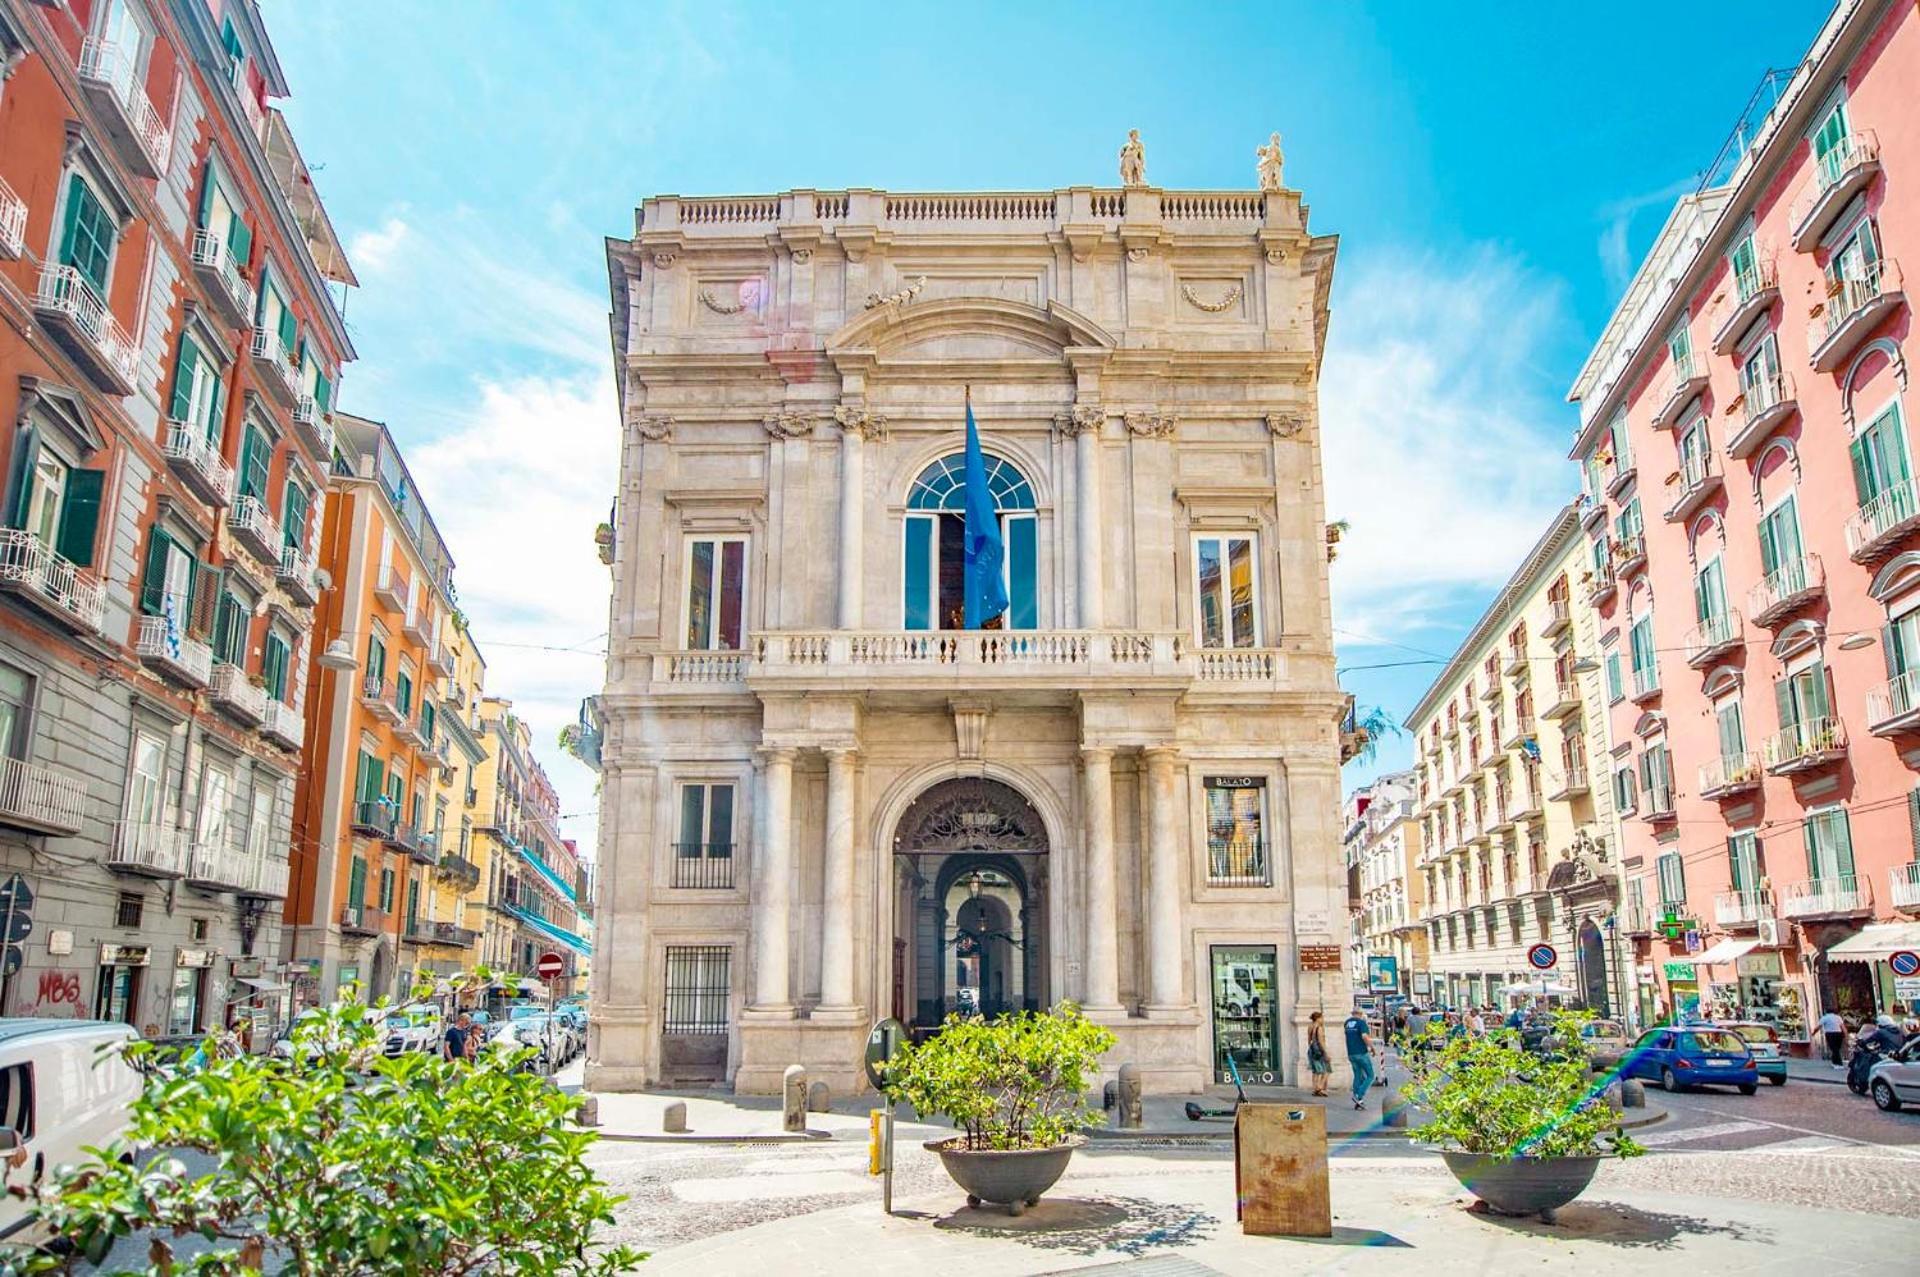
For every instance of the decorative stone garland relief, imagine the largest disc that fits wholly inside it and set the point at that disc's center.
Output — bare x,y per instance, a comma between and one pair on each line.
748,295
1231,298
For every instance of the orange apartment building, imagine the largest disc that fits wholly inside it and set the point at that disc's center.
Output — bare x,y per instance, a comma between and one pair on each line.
167,363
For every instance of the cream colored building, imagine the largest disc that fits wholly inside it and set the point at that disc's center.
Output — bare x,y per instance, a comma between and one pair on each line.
452,915
1513,769
823,802
1383,840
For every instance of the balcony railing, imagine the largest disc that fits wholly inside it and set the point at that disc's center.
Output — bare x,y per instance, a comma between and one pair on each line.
13,222
1845,894
1742,908
1786,589
1764,404
390,588
76,315
1559,616
281,724
252,526
277,379
319,430
1657,802
1893,707
1602,585
50,581
1905,880
1711,637
237,697
362,920
450,934
44,799
1237,862
1854,308
375,819
703,866
198,464
1836,178
1747,297
1687,379
1879,525
418,625
440,659
147,850
1700,478
1629,555
1730,774
267,878
458,870
1645,683
1639,918
110,73
163,644
214,263
1807,744
219,863
297,577
1572,783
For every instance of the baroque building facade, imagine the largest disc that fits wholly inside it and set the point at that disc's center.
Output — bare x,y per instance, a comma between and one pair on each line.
1383,849
825,802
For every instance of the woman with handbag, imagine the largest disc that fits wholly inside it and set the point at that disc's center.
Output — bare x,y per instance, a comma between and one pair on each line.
1318,1061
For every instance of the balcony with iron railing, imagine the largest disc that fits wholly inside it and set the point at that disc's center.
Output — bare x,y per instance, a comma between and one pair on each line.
703,866
1237,862
1711,638
390,588
80,321
1764,404
13,222
220,277
314,425
1877,528
253,528
1746,297
449,933
147,849
1685,380
198,463
110,77
418,625
1571,783
1629,555
1730,774
51,582
1601,582
1559,617
1787,589
164,646
218,861
1802,746
375,818
234,694
1744,909
458,871
273,364
1643,684
267,878
1619,475
1842,895
1700,480
1893,708
297,575
1853,309
1905,881
377,697
1566,699
362,920
41,799
1837,177
440,659
281,723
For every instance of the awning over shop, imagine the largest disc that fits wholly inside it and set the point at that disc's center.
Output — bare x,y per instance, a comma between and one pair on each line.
1726,951
260,984
1874,943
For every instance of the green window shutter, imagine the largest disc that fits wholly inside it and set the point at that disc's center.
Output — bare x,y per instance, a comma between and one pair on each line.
181,403
1783,701
239,239
426,718
260,298
323,394
289,329
386,891
207,184
273,665
26,455
87,241
293,516
376,660
413,899
153,586
80,515
357,884
1863,476
1913,820
214,433
1842,843
1818,703
1812,838
253,466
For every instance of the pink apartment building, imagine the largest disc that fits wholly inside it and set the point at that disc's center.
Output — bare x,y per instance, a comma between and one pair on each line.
1747,443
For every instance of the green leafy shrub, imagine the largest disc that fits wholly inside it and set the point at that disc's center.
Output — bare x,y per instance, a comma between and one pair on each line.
1490,1096
1015,1082
341,1161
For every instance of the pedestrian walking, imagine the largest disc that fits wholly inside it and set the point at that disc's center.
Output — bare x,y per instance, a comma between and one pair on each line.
1835,1030
1318,1061
459,1034
1359,1056
1475,1024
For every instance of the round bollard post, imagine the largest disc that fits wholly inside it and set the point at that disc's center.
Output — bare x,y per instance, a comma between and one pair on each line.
1632,1094
1128,1108
793,1099
1393,1111
819,1099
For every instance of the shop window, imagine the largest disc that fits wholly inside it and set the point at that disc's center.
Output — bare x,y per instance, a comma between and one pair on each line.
1236,820
183,1006
1245,1028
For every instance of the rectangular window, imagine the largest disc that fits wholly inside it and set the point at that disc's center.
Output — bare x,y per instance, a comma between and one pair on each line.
1626,796
716,594
16,712
1829,846
1880,471
1710,594
183,1006
1760,374
1622,445
1656,778
1733,728
1616,683
232,620
1646,667
1743,861
1236,822
1745,268
703,851
276,657
386,891
259,822
293,517
357,887
1680,349
376,662
87,236
128,909
1829,144
255,456
196,392
403,694
216,807
699,984
1802,696
1673,882
1780,555
1226,591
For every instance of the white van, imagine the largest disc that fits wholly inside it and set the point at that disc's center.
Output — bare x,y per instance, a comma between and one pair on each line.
58,1095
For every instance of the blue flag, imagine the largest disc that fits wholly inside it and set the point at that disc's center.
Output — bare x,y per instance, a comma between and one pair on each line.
986,592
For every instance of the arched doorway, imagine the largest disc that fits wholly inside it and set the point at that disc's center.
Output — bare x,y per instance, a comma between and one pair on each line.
970,867
1593,969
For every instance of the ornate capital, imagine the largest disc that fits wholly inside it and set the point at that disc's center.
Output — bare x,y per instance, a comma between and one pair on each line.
1284,425
656,427
1275,256
861,422
803,255
788,425
664,259
1084,418
1150,425
1137,253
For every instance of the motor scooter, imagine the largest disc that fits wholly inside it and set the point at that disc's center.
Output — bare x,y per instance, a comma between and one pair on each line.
1865,1056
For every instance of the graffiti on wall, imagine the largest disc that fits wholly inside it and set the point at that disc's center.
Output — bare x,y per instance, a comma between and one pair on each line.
49,993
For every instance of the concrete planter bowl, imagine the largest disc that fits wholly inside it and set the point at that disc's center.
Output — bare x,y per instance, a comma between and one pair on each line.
1522,1185
1014,1178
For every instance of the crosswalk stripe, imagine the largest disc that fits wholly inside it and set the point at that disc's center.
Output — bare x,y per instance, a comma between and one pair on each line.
1712,1130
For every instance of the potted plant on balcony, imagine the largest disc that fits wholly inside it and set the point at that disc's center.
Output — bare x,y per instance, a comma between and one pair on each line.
1523,1131
1016,1087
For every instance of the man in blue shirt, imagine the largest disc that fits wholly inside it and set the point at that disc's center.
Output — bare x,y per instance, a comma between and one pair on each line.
1359,1056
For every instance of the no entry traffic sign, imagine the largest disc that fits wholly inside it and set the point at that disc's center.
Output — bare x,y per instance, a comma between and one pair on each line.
1904,962
1543,957
551,966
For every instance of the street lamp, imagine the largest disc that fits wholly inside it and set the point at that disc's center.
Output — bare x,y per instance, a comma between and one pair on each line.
1857,640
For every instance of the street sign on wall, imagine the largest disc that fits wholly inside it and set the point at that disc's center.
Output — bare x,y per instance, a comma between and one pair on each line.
1905,962
1543,957
1320,957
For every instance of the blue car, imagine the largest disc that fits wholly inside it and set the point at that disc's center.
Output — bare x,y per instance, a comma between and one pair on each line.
1680,1058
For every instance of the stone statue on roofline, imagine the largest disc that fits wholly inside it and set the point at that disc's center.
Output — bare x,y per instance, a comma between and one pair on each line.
1268,162
1133,160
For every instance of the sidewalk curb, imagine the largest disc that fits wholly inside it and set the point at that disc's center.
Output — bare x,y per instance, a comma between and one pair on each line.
775,1137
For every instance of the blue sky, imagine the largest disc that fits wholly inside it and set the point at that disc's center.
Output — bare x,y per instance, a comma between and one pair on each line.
1492,171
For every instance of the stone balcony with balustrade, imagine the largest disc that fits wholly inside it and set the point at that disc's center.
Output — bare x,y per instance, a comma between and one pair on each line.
1841,895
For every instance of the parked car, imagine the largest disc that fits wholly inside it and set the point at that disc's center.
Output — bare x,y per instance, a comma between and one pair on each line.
416,1030
1764,1041
1895,1081
60,1094
1683,1057
283,1047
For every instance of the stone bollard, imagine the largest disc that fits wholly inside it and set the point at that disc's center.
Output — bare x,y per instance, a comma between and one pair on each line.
1110,1096
674,1120
793,1099
1394,1109
1632,1094
588,1114
1127,1109
818,1098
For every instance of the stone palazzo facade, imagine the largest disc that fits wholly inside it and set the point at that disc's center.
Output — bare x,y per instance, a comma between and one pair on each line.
824,802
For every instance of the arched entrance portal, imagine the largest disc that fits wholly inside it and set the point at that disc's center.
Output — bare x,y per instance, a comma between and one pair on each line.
970,871
1593,969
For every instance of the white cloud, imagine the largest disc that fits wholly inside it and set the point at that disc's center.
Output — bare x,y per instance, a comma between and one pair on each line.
372,251
1441,449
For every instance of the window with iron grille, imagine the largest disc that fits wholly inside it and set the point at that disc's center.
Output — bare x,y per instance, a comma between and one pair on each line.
1236,846
703,853
127,914
699,978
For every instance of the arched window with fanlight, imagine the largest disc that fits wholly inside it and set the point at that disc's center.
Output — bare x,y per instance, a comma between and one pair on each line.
933,584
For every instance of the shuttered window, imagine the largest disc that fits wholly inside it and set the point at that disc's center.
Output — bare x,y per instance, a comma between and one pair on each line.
1673,881
276,657
255,456
87,236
